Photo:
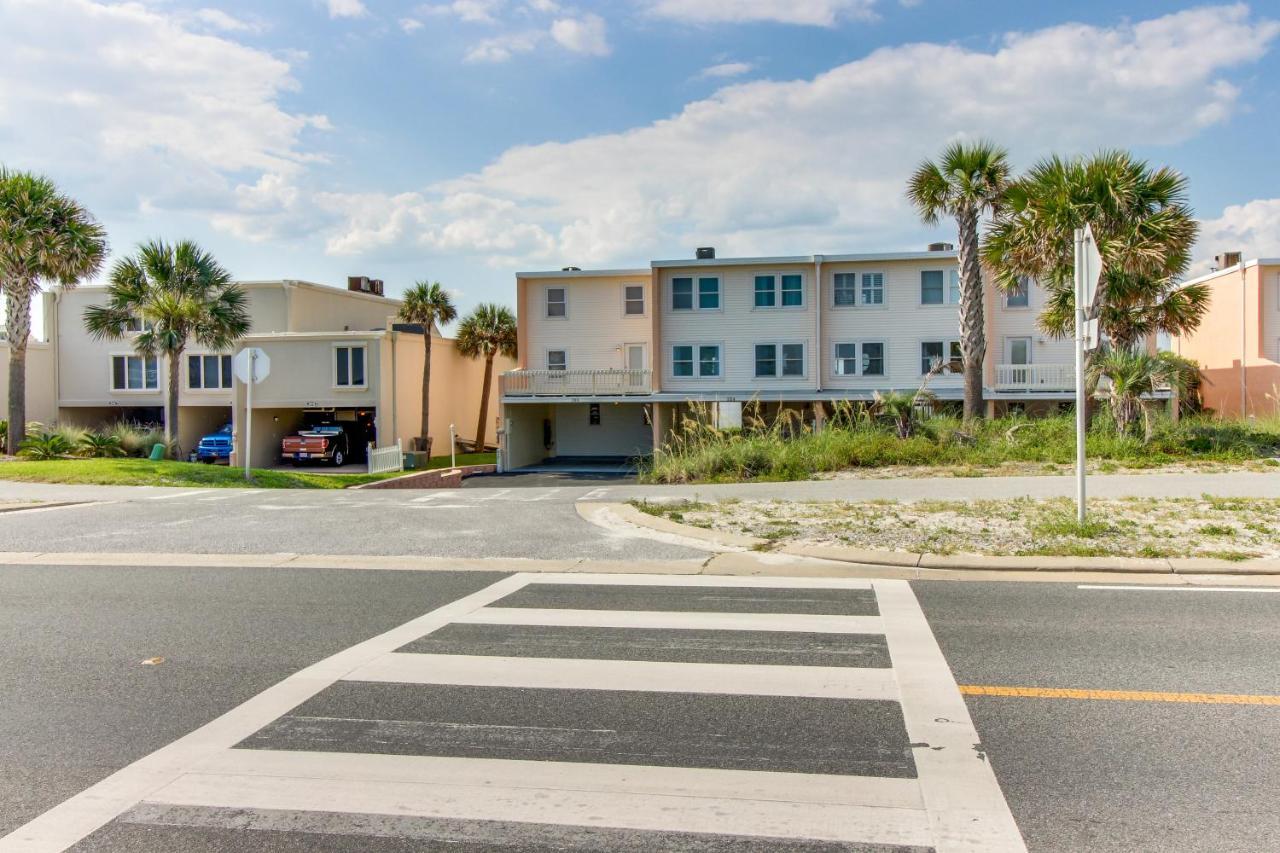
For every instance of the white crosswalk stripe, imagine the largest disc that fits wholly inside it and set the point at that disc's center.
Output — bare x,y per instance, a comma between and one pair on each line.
422,750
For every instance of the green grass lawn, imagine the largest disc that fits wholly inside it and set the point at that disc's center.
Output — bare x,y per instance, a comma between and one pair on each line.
463,459
143,472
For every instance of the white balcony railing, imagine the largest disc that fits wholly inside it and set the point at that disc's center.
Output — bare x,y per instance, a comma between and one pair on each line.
1035,377
575,383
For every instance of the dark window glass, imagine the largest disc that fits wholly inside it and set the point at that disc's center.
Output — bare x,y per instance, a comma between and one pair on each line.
682,294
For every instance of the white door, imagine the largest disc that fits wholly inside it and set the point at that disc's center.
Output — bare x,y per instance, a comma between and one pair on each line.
635,360
1017,352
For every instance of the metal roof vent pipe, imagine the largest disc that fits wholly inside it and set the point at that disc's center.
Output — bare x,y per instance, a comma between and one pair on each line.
942,247
705,253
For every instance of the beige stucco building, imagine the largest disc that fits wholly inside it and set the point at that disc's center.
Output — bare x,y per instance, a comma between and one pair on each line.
1238,343
334,354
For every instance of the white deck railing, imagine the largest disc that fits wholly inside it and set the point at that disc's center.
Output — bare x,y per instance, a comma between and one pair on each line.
562,383
384,459
1035,377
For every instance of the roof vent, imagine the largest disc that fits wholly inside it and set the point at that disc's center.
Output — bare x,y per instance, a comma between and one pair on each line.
942,247
705,253
570,269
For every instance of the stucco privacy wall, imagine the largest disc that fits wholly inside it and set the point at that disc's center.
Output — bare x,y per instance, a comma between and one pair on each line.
456,386
42,405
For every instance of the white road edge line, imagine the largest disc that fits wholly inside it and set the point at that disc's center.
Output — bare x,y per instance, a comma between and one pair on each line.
966,807
827,682
1179,588
69,822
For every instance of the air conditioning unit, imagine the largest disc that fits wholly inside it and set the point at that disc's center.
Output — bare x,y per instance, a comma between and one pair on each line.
1228,259
375,286
942,247
705,253
358,283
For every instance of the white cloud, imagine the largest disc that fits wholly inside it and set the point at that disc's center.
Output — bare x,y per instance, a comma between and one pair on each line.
816,13
131,104
472,11
220,20
582,35
1252,228
502,48
410,25
819,165
346,9
726,69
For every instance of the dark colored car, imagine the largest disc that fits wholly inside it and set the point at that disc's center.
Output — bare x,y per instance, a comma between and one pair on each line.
215,447
320,443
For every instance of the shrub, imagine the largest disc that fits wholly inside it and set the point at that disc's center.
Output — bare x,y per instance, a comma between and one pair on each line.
44,445
100,446
136,439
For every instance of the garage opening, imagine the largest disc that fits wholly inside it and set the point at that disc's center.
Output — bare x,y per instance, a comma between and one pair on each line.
323,436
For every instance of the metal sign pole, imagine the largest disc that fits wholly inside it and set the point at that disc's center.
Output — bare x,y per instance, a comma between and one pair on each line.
1081,424
248,410
453,448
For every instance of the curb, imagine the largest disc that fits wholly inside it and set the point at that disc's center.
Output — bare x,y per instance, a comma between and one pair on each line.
961,562
433,478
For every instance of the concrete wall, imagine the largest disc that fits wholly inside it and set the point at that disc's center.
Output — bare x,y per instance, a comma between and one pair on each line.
523,442
42,404
623,430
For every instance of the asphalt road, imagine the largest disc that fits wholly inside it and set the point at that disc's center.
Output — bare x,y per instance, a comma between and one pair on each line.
76,703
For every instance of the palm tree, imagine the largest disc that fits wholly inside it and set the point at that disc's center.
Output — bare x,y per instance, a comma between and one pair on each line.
44,236
1145,232
967,182
430,306
1131,375
488,331
180,293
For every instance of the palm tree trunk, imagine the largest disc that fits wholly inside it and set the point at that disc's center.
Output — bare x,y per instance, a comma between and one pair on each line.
973,333
426,387
18,313
484,403
171,408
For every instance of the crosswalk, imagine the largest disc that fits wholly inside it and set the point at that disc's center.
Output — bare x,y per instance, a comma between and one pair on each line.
585,713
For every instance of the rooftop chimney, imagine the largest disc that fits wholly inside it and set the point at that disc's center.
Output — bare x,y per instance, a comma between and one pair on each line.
942,247
705,253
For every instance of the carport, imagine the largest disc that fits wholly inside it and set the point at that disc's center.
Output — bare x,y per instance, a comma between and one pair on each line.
604,436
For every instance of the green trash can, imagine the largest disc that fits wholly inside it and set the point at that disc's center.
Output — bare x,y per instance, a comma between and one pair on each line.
157,452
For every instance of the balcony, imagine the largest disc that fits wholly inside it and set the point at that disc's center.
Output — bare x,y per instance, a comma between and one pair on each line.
576,383
1035,377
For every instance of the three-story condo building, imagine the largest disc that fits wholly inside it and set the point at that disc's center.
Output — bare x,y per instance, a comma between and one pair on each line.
609,358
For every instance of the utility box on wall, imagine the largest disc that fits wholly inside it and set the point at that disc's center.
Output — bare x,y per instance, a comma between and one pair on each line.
729,415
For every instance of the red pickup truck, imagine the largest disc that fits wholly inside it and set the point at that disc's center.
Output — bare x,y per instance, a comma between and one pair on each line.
322,443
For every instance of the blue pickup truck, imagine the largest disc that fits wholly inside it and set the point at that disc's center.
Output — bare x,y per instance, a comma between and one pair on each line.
215,447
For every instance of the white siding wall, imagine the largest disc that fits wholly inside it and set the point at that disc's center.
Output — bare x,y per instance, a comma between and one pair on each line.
1269,280
594,328
902,323
1021,322
738,326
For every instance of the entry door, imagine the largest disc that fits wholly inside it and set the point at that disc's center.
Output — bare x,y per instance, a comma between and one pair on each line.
1017,351
635,360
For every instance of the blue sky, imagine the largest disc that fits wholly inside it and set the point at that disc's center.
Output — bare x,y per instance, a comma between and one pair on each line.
462,140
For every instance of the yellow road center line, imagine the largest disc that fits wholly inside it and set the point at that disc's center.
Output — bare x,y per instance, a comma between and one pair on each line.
1120,695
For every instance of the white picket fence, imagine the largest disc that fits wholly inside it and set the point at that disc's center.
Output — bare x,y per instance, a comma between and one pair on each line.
384,459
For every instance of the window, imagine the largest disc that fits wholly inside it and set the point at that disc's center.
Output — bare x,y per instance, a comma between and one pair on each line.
953,291
766,360
682,361
136,324
633,300
349,367
682,294
846,361
872,288
1019,296
557,302
708,361
931,287
557,359
933,352
767,292
709,293
134,373
873,359
848,292
208,372
779,359
766,297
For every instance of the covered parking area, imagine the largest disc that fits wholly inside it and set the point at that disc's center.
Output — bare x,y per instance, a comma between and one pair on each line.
592,436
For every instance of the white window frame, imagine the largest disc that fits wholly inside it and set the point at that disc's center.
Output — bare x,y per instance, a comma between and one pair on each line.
697,293
946,289
884,358
143,325
203,389
546,302
836,358
1004,296
947,344
333,364
859,301
778,360
777,291
644,301
111,373
697,361
546,358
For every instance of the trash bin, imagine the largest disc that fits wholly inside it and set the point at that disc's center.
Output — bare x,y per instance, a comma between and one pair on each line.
157,452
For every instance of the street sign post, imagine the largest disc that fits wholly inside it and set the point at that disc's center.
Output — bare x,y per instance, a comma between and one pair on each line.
1088,272
251,365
